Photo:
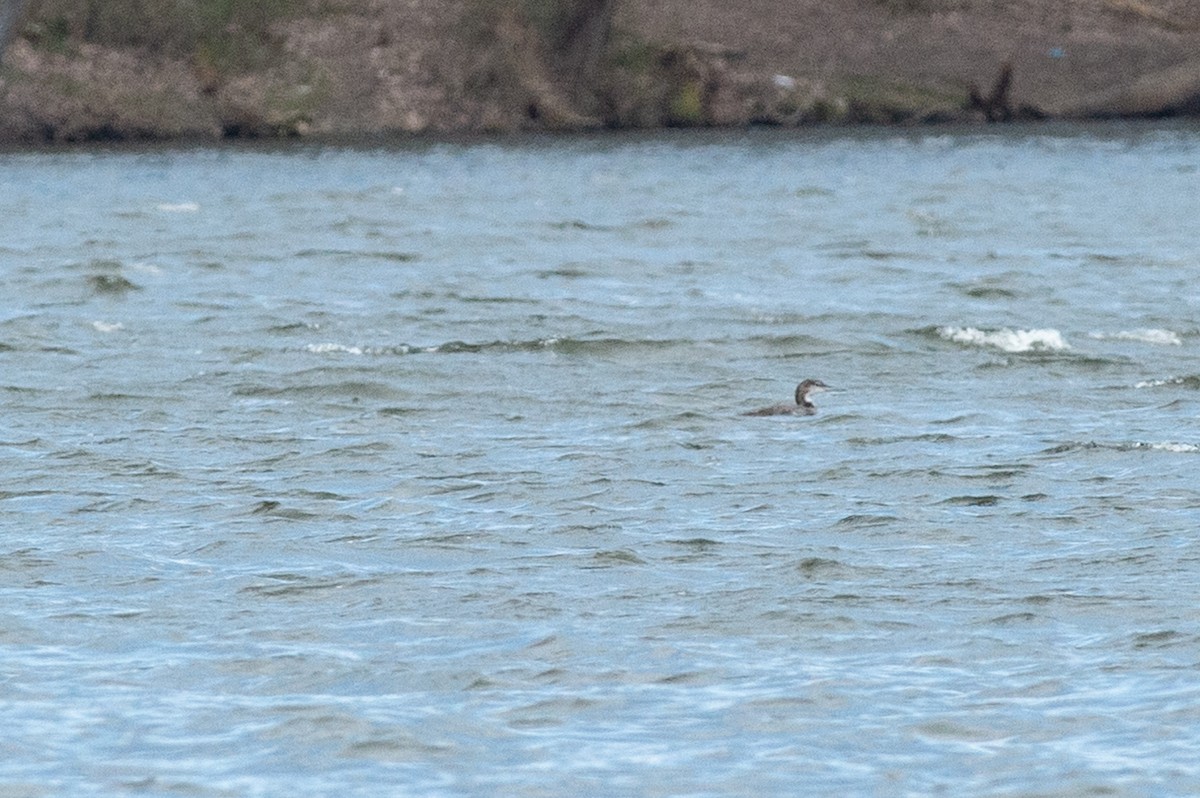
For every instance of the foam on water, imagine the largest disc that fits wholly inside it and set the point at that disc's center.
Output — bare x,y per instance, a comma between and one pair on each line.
178,207
1169,447
1192,381
330,347
1006,339
1145,336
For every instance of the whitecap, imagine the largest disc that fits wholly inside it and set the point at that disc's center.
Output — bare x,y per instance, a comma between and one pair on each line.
178,207
1159,383
326,348
1170,447
1006,339
1145,336
107,327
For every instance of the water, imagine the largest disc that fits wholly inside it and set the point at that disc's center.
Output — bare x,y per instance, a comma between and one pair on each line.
422,471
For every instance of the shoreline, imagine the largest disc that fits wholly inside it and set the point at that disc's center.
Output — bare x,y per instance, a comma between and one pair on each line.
1114,128
443,69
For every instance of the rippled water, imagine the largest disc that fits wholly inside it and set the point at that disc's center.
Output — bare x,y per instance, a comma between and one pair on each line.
422,471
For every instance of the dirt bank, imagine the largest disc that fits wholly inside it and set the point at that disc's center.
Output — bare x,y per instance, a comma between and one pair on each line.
384,67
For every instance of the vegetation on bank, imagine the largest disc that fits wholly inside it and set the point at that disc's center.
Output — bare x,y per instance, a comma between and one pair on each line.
116,69
238,29
541,59
566,64
219,38
112,69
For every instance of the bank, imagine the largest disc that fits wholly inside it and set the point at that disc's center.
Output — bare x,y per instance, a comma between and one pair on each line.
96,70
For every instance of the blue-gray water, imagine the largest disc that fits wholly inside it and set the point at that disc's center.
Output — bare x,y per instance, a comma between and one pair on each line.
422,471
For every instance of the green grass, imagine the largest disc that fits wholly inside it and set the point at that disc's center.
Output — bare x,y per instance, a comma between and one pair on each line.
882,100
636,56
53,34
686,107
233,35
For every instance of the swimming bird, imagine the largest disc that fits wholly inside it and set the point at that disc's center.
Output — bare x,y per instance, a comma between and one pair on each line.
803,406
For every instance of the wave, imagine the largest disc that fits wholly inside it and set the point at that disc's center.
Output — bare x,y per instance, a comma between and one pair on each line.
1043,340
1126,446
579,224
1192,381
570,346
926,437
1165,446
355,254
1145,336
985,500
111,284
328,348
355,389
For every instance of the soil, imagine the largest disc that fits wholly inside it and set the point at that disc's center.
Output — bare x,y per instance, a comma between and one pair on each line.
441,67
1063,52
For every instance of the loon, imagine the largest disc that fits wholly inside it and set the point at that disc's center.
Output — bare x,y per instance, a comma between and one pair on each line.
803,407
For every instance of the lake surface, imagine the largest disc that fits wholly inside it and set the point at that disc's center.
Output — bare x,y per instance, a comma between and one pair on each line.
422,471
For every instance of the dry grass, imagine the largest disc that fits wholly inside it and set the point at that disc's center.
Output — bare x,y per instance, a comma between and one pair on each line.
1147,12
